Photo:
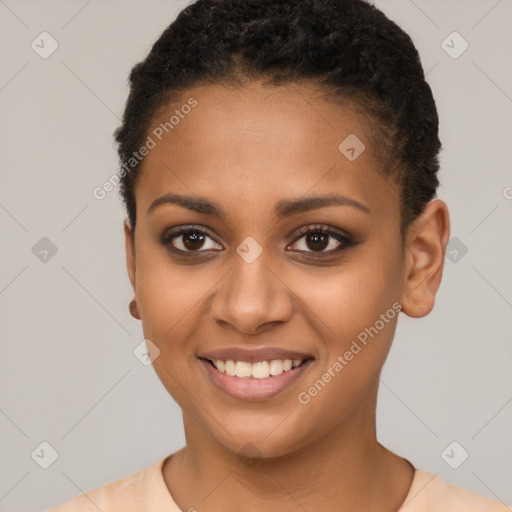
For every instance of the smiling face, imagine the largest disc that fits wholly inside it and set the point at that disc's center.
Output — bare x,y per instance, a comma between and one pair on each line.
247,283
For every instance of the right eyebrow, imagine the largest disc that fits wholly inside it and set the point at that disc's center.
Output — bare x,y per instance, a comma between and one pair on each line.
196,204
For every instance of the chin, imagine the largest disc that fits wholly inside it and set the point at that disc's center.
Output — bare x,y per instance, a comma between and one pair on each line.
262,444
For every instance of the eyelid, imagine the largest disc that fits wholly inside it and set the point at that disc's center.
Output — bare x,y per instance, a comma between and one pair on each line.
175,232
324,228
344,238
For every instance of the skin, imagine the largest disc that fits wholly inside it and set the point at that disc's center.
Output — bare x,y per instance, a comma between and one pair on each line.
247,148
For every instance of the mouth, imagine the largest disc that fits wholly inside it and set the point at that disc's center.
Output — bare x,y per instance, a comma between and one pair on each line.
257,380
257,370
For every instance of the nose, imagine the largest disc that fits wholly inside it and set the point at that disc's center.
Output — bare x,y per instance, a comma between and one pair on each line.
252,297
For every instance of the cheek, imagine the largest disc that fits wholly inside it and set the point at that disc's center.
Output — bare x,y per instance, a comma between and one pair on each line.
359,305
351,297
169,298
163,289
355,310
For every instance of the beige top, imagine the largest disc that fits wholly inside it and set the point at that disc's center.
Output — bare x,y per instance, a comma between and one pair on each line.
146,491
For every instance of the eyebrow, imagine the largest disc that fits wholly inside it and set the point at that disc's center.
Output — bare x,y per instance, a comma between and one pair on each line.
283,208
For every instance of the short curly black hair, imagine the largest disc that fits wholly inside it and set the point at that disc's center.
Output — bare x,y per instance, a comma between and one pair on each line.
348,47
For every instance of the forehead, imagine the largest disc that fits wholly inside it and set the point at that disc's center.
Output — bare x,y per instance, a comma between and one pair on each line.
254,143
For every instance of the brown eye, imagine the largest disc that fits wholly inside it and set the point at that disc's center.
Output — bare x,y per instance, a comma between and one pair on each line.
319,239
189,240
193,240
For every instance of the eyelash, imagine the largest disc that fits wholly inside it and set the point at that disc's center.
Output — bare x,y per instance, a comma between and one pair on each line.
345,240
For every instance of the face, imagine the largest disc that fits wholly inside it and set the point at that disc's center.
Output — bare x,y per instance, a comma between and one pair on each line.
254,266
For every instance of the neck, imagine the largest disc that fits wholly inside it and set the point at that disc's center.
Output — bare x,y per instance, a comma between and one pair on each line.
346,469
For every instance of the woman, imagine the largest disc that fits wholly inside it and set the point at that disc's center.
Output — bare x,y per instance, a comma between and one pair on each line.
279,168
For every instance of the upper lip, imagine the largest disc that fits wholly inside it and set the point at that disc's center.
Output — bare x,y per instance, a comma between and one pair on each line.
253,355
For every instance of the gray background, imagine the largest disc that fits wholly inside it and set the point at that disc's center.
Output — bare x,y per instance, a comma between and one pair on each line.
68,374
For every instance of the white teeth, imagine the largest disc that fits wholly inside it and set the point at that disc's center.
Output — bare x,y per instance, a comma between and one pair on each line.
230,368
259,370
243,369
276,367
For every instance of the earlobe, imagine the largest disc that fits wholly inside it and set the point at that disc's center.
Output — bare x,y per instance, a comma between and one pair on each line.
129,245
425,248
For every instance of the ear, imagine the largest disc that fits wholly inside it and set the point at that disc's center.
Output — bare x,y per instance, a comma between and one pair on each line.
129,245
425,247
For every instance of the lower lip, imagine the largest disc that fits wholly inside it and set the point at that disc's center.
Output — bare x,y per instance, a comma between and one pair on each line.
252,389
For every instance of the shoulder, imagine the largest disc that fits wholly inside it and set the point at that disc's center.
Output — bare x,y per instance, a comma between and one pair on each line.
430,493
130,493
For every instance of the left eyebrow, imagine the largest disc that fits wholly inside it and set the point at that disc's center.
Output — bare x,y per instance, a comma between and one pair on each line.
287,208
283,208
